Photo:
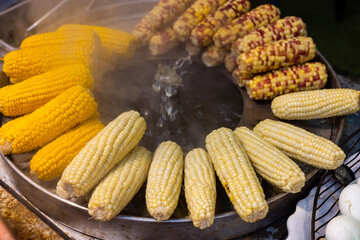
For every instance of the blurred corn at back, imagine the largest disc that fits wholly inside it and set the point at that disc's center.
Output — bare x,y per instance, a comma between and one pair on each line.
101,154
65,111
230,62
316,104
118,187
51,160
163,41
32,93
214,56
304,77
300,144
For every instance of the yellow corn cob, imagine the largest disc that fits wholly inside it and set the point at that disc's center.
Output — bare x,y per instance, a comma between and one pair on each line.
230,62
15,80
65,111
11,125
117,189
194,15
101,154
163,41
296,78
236,174
241,78
214,56
239,27
316,104
270,163
200,188
300,144
285,28
51,160
34,92
202,34
164,180
114,42
28,62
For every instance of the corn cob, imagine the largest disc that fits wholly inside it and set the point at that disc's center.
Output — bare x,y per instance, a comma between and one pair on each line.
51,160
34,92
230,62
300,144
15,80
214,56
114,42
193,16
239,27
236,174
65,111
163,41
191,49
285,28
282,53
101,154
164,180
270,163
202,34
117,189
241,78
316,104
296,78
9,126
200,188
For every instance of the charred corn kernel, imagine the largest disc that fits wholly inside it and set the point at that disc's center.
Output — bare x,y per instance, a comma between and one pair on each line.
270,163
65,111
202,34
101,154
316,104
32,93
163,41
28,62
214,56
117,189
236,174
285,28
191,49
272,56
158,17
200,188
300,144
241,78
230,62
51,160
193,16
114,41
239,27
164,180
308,76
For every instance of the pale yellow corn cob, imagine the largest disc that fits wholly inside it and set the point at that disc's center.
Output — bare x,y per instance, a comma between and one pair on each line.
101,154
236,174
191,49
117,189
200,188
214,56
270,163
241,78
163,41
164,180
230,62
316,104
300,144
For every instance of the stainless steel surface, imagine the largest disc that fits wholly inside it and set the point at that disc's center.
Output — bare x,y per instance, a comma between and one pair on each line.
134,222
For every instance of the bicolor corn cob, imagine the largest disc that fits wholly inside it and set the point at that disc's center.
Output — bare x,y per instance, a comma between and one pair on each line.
230,62
101,154
200,188
236,174
214,56
241,78
282,53
191,49
193,16
117,189
202,34
270,163
239,27
65,111
164,180
285,28
163,41
32,93
51,160
28,62
300,144
114,42
308,76
316,104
